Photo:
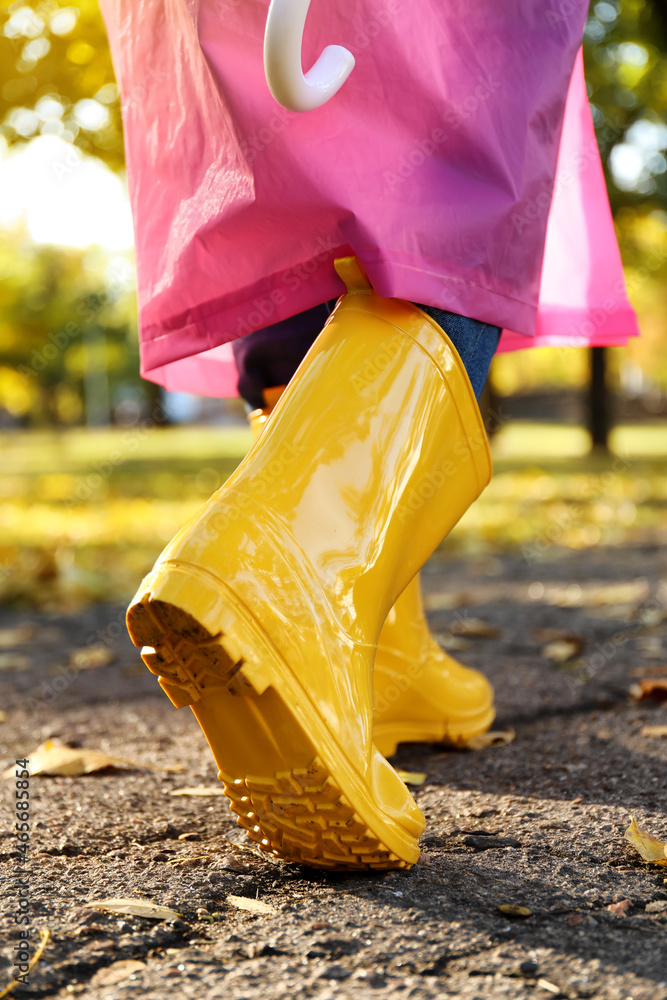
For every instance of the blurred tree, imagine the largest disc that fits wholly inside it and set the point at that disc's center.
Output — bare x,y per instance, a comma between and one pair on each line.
67,333
56,77
624,47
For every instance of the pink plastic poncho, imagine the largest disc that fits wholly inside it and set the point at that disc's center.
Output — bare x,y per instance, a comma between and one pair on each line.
436,164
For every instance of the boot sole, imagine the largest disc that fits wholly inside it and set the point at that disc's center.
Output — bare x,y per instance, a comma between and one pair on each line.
295,793
387,737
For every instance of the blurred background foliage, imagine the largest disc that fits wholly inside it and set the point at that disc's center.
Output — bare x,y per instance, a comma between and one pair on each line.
85,507
56,79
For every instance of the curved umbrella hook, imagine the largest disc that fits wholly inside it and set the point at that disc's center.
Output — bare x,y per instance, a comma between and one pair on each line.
282,60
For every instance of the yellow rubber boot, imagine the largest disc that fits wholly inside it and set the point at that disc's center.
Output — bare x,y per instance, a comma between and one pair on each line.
257,418
421,693
264,612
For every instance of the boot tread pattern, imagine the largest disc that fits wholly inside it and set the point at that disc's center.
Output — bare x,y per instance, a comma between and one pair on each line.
297,814
192,660
302,816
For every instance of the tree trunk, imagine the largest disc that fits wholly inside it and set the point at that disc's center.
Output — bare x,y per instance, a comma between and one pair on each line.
599,401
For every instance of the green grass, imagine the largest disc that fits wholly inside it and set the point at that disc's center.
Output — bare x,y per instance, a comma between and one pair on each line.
83,514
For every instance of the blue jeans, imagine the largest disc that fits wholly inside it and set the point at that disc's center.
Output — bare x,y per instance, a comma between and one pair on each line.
269,357
476,343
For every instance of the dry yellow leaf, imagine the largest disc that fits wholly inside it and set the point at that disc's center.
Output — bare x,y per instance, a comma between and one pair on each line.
617,593
650,647
474,627
91,657
494,738
653,731
513,910
445,602
201,791
194,860
72,762
412,777
561,650
657,669
254,905
14,661
654,689
135,908
452,643
650,849
117,972
3,716
544,984
15,636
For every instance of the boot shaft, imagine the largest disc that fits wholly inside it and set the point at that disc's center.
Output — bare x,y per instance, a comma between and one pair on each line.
372,454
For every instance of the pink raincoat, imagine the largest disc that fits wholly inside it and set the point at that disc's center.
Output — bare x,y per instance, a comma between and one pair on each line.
448,163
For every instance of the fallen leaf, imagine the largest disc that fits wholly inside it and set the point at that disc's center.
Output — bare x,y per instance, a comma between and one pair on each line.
192,835
657,669
652,616
544,984
620,908
515,911
650,849
58,759
653,731
412,777
194,860
131,907
556,635
117,972
445,602
91,657
650,647
474,627
562,650
452,643
494,738
3,716
15,636
254,905
14,661
653,688
617,593
200,791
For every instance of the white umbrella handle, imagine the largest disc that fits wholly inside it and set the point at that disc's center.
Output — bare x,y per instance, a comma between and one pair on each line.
282,60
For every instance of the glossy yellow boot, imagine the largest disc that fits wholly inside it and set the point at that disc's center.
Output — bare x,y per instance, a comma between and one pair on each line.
421,694
264,612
